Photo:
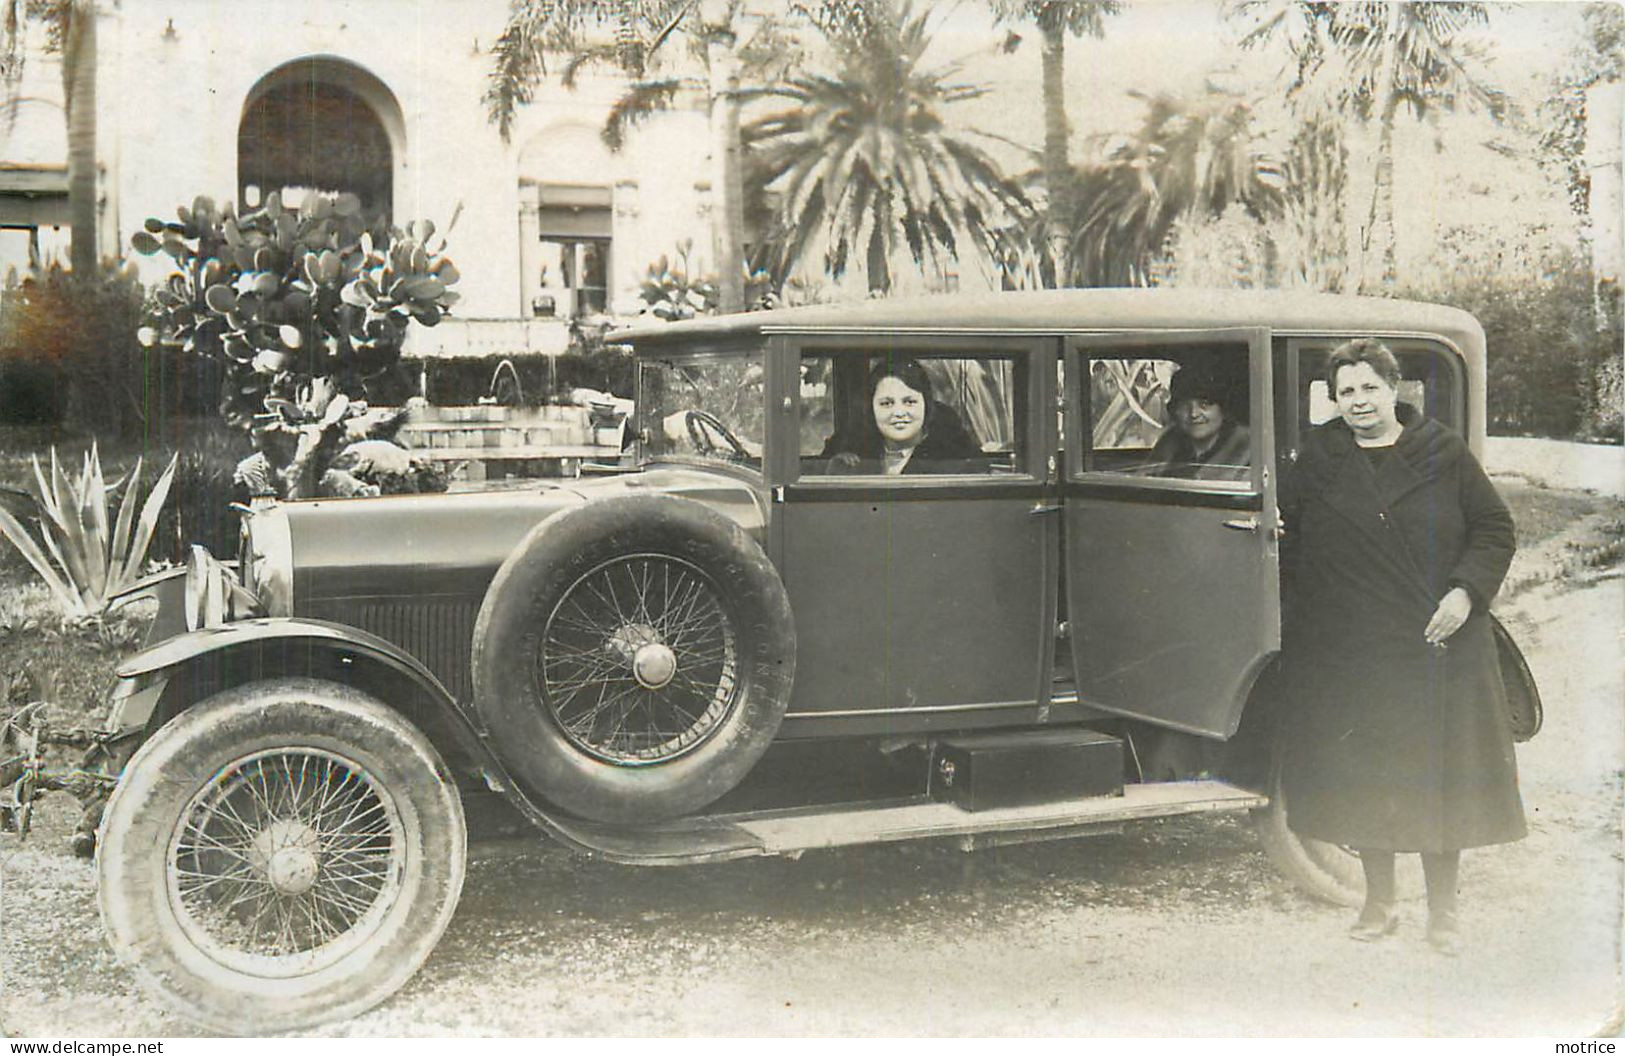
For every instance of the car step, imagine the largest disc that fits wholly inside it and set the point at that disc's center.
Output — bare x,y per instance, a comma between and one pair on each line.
790,831
804,829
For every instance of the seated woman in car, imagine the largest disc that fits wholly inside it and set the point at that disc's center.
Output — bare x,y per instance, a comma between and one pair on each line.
1203,441
907,431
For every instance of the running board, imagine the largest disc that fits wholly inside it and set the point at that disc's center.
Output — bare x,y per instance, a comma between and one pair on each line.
789,832
721,837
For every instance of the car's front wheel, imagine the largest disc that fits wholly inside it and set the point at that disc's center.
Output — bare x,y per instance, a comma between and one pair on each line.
283,854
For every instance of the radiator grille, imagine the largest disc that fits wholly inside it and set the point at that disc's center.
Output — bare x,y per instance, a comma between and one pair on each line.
439,633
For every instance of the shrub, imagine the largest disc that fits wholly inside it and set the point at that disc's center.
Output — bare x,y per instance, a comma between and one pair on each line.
542,378
671,290
68,353
199,510
1549,347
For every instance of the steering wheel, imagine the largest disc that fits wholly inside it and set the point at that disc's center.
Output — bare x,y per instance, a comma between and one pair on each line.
706,429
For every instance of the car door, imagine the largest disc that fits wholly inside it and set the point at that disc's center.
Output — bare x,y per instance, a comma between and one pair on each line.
1170,549
922,598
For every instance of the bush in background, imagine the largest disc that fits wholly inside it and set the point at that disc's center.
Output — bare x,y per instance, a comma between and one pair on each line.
1554,348
69,355
200,505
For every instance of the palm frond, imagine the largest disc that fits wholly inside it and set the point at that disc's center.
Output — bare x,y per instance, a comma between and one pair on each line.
869,141
636,105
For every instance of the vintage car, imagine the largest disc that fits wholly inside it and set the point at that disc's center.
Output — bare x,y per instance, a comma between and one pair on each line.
773,633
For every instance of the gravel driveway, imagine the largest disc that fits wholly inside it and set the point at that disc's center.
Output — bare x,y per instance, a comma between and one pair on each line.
1175,927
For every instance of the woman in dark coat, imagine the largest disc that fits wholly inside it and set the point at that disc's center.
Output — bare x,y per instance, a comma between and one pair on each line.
1396,543
906,432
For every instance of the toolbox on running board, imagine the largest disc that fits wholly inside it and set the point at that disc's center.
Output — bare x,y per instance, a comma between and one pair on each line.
984,771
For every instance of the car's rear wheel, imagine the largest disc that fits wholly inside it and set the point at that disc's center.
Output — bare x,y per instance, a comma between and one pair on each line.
283,854
635,655
1327,871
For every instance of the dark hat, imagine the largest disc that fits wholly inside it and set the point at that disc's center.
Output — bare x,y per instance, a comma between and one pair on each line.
1197,383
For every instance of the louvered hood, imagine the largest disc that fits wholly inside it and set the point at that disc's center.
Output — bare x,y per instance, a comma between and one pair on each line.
414,568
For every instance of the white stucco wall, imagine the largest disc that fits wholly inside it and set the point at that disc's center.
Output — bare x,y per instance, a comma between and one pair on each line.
176,75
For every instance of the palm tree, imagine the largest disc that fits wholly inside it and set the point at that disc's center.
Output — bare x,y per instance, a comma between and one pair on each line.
1366,60
1057,19
70,27
1317,186
641,32
1187,160
863,162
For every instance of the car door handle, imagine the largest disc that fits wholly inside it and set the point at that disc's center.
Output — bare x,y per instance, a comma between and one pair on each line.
1043,508
1243,524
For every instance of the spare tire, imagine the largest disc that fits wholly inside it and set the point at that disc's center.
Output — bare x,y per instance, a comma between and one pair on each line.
633,658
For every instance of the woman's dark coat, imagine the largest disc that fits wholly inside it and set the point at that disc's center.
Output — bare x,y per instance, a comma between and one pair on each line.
1230,457
947,447
1393,743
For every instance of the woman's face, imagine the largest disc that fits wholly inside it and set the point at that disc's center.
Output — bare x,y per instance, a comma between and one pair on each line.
899,411
1200,419
1365,400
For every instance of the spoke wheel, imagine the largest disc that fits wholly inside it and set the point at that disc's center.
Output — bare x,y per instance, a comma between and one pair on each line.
639,662
636,653
283,854
286,861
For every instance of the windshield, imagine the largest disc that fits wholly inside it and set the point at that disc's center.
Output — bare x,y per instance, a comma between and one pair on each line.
707,407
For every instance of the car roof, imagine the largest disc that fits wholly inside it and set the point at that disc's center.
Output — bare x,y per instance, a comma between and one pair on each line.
1081,310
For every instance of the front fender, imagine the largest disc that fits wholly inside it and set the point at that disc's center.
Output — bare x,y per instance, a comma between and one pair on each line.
185,647
167,678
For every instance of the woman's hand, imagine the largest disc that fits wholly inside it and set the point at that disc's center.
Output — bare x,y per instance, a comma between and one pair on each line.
1453,610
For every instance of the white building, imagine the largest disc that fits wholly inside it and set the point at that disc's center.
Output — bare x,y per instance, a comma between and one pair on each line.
383,98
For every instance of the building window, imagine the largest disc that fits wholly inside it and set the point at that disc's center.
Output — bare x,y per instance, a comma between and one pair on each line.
574,276
572,262
23,249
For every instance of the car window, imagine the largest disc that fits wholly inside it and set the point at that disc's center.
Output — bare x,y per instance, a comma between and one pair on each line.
1429,381
1176,411
892,412
707,407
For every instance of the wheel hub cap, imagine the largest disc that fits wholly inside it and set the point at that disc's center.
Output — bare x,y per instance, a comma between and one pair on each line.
286,851
292,870
654,665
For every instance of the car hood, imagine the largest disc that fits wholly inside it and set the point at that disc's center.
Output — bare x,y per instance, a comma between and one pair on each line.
422,546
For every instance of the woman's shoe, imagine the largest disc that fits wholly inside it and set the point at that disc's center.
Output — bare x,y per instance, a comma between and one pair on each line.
1374,923
1444,935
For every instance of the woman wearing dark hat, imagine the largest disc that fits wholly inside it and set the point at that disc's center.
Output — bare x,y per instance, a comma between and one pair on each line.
1395,543
1203,441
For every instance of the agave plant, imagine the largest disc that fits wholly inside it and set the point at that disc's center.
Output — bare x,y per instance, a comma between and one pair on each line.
86,553
1129,397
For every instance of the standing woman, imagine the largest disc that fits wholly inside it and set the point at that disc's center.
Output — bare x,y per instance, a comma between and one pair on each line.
1397,542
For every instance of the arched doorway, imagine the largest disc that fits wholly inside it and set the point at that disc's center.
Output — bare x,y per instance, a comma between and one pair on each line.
320,124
